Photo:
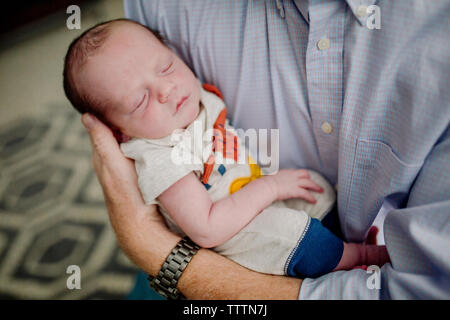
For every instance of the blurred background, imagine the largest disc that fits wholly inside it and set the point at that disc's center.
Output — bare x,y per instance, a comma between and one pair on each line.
52,213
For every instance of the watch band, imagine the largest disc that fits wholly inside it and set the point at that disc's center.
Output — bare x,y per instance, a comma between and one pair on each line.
165,283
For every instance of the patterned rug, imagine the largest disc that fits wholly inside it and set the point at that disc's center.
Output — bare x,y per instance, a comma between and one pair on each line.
52,214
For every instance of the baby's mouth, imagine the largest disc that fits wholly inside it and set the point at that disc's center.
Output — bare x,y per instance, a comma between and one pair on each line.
181,103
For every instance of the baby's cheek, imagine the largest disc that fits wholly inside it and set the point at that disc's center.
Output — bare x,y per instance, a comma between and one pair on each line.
152,124
194,111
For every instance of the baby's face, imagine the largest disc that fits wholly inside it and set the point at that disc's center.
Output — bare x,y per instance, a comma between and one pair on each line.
149,92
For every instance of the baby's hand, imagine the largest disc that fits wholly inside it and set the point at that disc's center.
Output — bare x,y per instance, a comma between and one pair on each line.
358,254
292,183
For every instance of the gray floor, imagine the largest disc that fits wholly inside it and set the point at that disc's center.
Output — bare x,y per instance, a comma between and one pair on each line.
52,213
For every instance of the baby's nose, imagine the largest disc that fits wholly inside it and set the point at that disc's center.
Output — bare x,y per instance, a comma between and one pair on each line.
165,93
163,98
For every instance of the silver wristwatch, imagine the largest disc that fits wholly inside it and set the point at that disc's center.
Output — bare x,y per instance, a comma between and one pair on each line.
165,283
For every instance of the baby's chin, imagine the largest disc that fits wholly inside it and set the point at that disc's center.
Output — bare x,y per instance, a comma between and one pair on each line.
190,121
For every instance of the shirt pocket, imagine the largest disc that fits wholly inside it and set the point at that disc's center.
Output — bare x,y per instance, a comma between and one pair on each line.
377,173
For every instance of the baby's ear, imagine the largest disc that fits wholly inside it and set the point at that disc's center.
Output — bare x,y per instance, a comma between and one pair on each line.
120,137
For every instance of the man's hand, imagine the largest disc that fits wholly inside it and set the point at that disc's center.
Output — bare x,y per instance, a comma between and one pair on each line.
292,183
137,226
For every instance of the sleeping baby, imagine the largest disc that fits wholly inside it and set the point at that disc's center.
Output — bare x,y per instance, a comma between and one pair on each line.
125,75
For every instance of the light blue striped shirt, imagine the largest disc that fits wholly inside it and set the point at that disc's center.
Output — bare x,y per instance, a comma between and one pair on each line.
368,108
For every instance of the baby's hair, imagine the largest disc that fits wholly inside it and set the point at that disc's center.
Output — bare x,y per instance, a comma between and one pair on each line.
85,45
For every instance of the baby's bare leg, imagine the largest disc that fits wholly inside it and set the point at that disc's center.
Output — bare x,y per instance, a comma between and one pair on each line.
356,254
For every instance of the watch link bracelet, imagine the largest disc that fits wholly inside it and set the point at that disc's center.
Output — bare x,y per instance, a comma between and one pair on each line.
165,283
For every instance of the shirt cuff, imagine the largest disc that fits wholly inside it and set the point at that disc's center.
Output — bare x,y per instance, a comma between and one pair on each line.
339,285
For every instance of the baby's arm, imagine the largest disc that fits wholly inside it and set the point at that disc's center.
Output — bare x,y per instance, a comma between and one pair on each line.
211,224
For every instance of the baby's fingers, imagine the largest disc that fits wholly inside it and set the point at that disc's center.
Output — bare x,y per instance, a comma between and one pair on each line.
310,185
306,195
302,173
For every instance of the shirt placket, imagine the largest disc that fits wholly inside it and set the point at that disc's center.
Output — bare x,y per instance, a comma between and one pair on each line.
324,68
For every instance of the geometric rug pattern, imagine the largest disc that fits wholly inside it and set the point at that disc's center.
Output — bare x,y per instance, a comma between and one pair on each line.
52,213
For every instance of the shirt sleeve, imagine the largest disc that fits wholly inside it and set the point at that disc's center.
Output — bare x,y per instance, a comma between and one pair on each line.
418,241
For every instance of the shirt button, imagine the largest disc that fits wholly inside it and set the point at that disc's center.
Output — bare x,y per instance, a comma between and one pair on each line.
361,11
323,44
326,127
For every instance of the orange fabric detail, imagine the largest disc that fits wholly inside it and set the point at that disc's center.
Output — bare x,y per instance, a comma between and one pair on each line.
220,138
208,167
220,122
213,89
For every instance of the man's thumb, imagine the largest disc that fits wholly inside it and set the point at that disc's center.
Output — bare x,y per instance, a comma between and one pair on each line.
102,139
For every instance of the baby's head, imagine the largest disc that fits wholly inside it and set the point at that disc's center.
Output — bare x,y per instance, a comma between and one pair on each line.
124,74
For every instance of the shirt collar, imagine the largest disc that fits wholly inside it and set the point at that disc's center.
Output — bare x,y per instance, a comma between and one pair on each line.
303,6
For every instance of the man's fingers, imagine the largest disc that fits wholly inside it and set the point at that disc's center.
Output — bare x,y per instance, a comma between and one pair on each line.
115,173
131,219
102,139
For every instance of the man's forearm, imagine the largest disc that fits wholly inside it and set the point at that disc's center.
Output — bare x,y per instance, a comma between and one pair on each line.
229,215
147,242
209,275
212,276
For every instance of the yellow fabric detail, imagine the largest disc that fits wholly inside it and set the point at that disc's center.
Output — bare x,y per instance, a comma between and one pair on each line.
255,173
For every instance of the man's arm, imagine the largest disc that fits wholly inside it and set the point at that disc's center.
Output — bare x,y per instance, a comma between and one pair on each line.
138,227
212,276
